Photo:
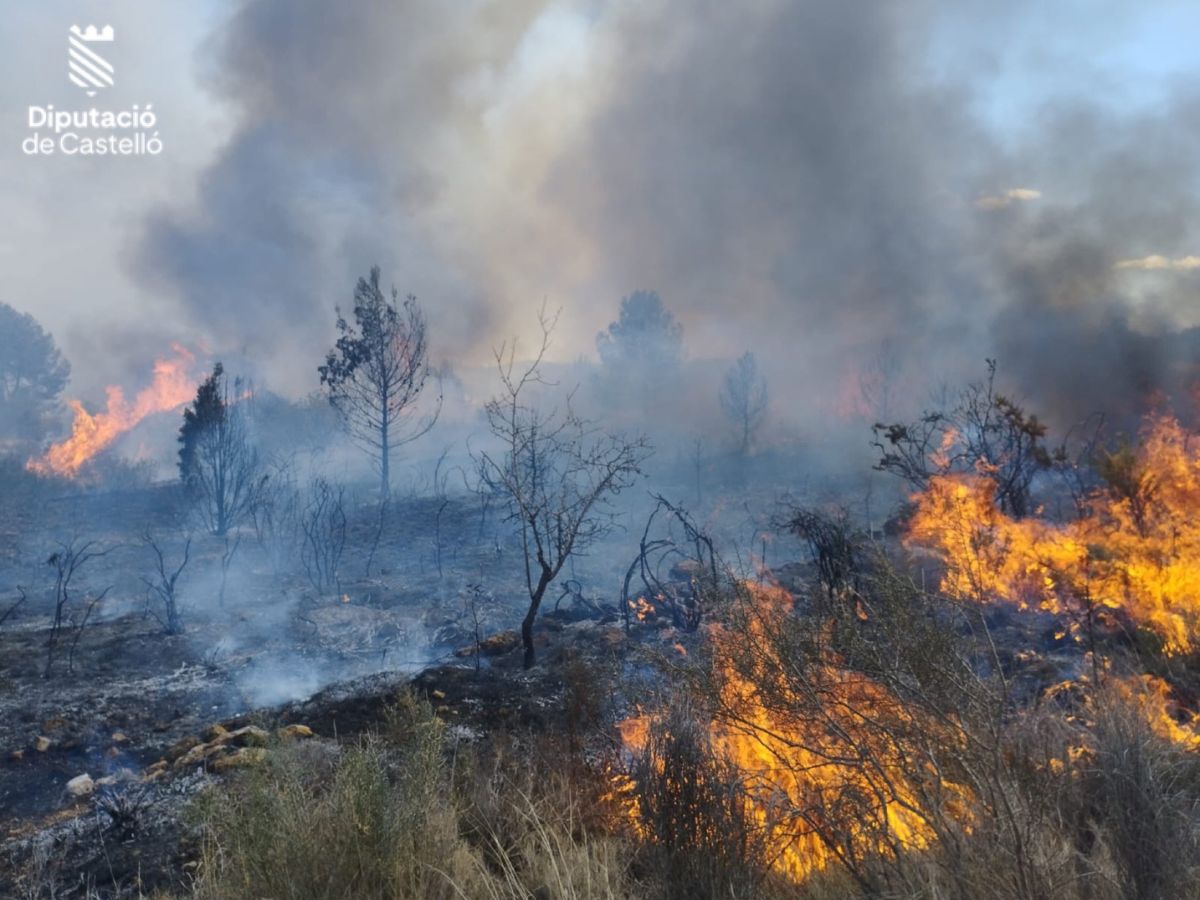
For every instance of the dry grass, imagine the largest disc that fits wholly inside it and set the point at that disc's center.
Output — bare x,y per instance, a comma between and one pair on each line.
386,819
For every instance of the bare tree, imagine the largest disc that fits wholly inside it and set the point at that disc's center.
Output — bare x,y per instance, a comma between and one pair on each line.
555,470
324,525
162,586
229,548
744,398
68,618
377,372
218,461
441,493
276,516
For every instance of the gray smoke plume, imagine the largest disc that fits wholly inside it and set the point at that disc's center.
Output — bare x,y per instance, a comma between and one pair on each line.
809,179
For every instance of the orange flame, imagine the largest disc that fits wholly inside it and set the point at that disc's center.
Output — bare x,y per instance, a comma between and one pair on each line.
1136,550
800,765
642,608
1167,718
173,385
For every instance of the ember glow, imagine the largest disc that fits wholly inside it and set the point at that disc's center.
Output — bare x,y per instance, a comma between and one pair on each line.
1135,552
173,385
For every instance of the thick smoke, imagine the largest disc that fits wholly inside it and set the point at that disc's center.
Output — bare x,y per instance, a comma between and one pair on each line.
794,177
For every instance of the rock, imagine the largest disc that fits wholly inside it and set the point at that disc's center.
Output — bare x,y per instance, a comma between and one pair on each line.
243,757
182,746
16,756
121,776
196,756
120,737
41,744
81,786
294,732
214,733
248,736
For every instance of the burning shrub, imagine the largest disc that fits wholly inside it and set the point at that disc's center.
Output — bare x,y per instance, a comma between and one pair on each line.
984,432
692,809
92,433
835,766
1137,551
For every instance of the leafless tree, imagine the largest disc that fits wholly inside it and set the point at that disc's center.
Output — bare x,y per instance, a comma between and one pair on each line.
68,618
324,525
555,470
162,586
377,372
744,398
276,516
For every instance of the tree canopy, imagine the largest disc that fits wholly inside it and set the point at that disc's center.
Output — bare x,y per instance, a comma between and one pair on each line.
33,374
644,334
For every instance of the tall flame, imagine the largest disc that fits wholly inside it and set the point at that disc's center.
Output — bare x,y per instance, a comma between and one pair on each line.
172,386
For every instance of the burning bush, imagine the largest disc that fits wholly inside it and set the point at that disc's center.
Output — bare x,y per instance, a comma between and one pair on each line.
1136,550
833,765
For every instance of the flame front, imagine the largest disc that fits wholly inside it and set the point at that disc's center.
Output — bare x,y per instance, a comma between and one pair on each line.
1136,549
172,386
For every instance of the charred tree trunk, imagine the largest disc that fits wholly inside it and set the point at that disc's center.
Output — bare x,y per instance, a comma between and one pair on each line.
385,453
535,601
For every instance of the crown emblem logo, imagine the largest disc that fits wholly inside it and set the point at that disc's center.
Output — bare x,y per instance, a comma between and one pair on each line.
85,66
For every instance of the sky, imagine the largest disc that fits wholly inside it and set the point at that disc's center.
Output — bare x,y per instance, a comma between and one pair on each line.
834,185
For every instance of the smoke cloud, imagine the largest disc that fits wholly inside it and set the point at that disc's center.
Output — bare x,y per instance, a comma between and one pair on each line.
824,183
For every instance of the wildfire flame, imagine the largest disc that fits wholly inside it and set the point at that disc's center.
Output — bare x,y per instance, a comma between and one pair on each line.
797,770
642,608
1166,717
1136,549
172,386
